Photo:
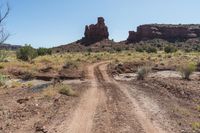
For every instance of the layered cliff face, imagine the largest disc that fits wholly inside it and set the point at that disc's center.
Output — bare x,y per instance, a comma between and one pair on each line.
170,33
95,32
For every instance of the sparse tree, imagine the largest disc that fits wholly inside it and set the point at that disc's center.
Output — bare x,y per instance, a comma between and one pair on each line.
4,11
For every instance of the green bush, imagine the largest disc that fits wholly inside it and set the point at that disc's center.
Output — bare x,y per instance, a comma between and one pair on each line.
26,53
187,70
44,51
151,49
143,72
170,49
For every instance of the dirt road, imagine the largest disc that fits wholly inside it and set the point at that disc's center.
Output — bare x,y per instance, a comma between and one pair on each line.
107,107
103,105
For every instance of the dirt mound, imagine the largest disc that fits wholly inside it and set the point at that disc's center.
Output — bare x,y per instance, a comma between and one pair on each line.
127,67
46,74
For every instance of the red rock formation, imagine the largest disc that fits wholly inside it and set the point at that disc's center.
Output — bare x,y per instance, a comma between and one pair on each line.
170,33
95,33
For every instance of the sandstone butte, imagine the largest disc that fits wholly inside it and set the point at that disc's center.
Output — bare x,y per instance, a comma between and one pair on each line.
95,32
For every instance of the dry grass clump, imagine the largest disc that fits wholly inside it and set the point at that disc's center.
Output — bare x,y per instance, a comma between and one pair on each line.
186,70
143,72
70,65
67,90
63,89
196,126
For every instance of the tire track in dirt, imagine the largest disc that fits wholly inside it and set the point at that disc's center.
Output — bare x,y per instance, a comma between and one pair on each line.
115,114
82,120
107,107
147,125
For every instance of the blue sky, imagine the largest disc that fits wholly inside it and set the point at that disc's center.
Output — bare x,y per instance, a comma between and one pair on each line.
47,23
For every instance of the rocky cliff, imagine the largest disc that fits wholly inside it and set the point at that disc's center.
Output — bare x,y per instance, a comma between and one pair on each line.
170,33
95,32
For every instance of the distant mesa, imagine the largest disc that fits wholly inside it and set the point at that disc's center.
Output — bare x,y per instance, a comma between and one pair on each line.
168,32
95,33
9,47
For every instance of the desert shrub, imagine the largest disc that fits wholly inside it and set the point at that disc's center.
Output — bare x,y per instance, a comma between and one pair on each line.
198,108
2,80
196,126
170,49
139,49
89,50
127,48
70,65
27,75
118,49
78,60
88,54
66,90
26,53
187,70
3,55
151,49
159,55
143,72
44,51
98,58
187,50
1,66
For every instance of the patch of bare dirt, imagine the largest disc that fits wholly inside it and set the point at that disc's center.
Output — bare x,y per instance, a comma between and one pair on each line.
177,99
139,114
157,74
22,110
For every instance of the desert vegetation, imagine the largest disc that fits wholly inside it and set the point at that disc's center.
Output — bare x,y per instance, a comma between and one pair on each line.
186,70
26,53
143,72
54,77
